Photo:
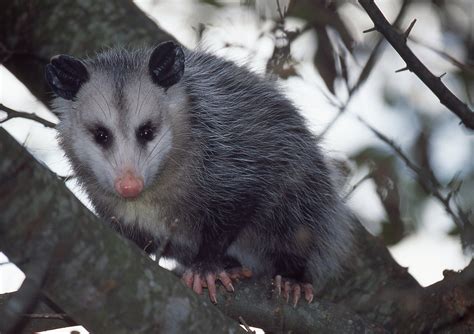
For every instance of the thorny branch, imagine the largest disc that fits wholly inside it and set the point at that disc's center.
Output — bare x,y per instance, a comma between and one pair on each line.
399,42
427,180
21,114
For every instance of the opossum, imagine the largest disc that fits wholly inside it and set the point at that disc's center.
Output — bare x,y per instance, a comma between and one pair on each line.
207,157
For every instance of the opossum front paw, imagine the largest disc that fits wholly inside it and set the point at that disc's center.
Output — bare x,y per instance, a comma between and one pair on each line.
196,278
293,289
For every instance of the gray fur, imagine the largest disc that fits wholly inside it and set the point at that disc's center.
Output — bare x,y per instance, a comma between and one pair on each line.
233,157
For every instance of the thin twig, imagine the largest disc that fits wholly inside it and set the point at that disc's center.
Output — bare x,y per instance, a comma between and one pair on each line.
398,41
358,183
21,114
427,180
280,12
365,73
459,64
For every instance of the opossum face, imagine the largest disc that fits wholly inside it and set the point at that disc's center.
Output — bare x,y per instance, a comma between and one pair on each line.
120,114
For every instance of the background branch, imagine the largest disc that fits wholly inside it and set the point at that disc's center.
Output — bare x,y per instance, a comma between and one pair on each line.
399,42
427,180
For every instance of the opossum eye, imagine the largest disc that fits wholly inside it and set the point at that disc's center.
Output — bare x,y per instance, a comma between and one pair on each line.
145,133
102,136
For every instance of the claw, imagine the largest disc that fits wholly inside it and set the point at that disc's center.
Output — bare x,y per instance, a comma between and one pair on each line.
226,281
296,294
197,284
308,292
187,278
286,290
293,289
278,284
194,280
211,286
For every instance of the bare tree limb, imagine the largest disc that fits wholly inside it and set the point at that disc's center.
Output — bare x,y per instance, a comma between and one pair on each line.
459,64
399,42
21,114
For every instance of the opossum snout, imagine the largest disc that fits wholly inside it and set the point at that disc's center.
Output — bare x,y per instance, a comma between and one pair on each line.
129,185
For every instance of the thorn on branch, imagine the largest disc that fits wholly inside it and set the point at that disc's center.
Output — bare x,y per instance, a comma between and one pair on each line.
407,32
441,76
370,30
402,69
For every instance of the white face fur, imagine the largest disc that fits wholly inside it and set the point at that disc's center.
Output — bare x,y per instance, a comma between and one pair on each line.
123,114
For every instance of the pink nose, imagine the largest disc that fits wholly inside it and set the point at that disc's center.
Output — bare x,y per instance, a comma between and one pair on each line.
128,185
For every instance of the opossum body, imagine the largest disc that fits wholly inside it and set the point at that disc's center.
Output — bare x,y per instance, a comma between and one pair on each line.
206,156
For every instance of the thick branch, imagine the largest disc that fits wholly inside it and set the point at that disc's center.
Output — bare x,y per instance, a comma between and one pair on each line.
32,31
94,276
399,42
107,285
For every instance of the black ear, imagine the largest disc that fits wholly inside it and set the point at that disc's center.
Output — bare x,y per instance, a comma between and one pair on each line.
65,75
166,64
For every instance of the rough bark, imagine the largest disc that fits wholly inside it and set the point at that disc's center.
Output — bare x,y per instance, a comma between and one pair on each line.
105,283
32,31
97,278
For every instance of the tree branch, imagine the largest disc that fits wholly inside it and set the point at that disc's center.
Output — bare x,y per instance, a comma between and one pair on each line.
97,278
399,42
108,285
426,179
43,316
91,269
21,114
34,31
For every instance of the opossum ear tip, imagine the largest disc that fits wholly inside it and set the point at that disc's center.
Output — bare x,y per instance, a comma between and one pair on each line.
166,64
65,75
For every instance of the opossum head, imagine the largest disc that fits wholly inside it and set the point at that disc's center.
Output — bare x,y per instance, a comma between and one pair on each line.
120,115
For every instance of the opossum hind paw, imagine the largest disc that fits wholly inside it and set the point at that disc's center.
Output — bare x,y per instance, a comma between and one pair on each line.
293,289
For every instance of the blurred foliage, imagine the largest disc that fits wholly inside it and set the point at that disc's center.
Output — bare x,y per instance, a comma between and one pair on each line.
398,189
